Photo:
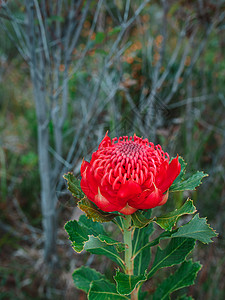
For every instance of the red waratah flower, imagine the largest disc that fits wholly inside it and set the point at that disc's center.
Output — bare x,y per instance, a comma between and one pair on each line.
128,175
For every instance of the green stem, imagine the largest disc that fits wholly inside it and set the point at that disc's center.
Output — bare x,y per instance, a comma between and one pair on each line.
129,262
127,235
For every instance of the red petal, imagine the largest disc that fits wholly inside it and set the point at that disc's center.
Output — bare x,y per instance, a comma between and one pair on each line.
172,172
128,191
139,199
104,204
84,166
164,199
86,189
92,182
162,173
111,195
84,182
94,157
127,210
105,142
152,200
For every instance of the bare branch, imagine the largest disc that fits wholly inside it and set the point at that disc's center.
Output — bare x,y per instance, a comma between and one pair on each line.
43,31
180,68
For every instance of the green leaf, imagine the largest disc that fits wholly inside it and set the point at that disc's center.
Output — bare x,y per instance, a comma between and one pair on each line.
197,229
140,239
95,213
109,241
183,277
74,185
95,246
93,239
173,254
183,165
163,235
77,234
189,184
92,227
169,220
139,220
115,30
98,231
125,284
93,243
99,38
83,277
104,290
185,297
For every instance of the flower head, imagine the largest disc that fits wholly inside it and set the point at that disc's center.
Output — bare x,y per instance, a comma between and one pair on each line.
128,174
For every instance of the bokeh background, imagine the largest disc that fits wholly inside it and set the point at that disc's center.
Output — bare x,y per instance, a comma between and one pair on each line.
69,71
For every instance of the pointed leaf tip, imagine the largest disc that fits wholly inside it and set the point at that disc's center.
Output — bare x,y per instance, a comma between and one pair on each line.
188,184
181,184
197,229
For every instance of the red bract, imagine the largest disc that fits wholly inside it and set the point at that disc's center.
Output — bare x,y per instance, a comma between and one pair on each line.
127,175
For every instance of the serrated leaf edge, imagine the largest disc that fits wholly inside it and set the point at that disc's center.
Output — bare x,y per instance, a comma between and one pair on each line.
96,209
118,270
160,249
119,259
188,213
116,243
68,185
70,239
195,275
104,292
144,224
185,165
84,267
214,230
91,280
205,175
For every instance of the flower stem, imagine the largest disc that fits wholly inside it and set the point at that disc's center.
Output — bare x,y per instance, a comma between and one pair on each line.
129,262
127,235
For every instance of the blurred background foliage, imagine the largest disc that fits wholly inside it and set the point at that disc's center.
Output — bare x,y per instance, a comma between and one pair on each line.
185,114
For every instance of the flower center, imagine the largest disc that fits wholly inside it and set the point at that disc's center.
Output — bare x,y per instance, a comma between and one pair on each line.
129,149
